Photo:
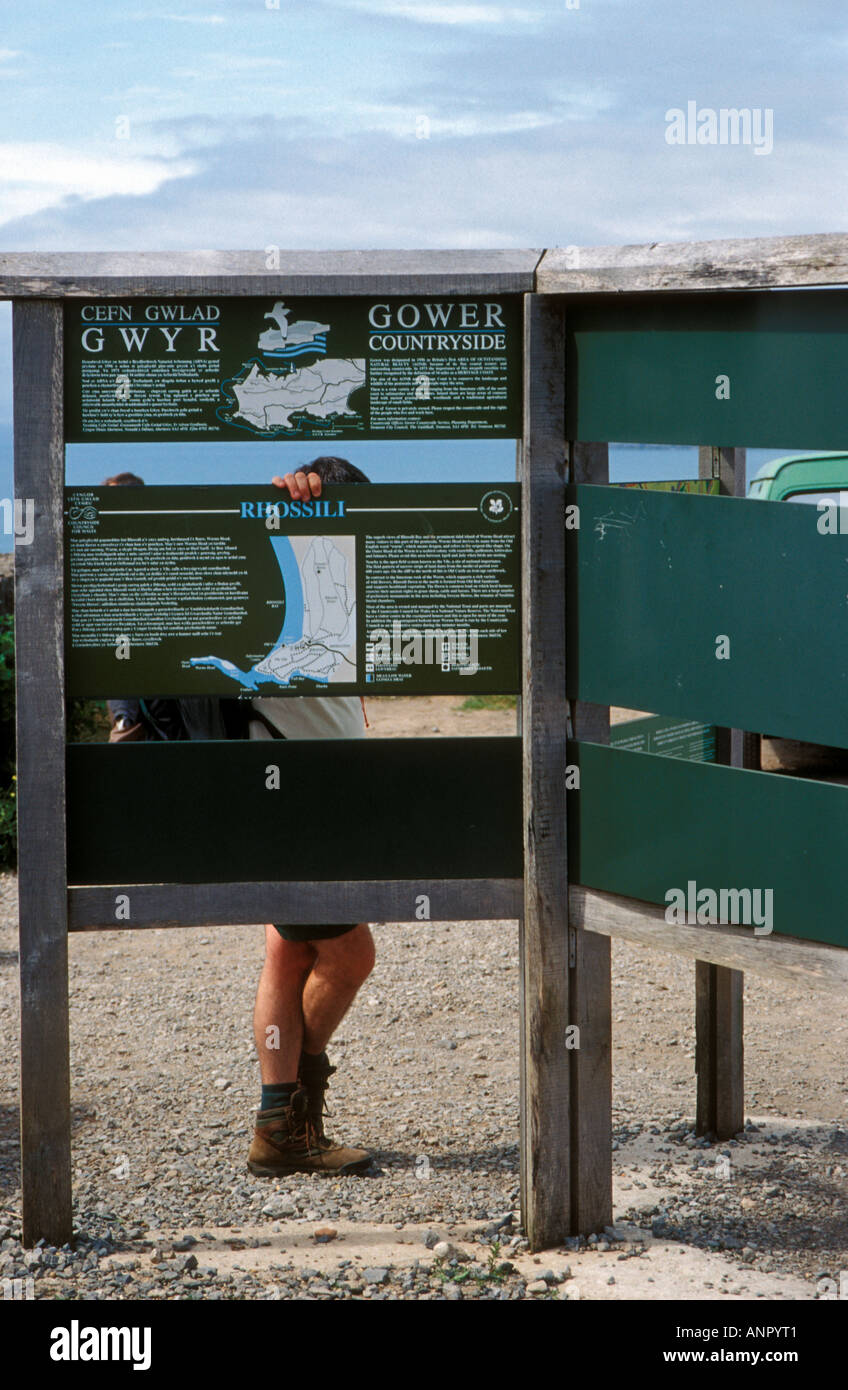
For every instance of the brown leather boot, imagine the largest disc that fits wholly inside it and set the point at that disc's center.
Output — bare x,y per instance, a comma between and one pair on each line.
313,1074
286,1140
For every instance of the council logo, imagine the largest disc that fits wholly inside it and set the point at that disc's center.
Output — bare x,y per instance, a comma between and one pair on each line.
496,506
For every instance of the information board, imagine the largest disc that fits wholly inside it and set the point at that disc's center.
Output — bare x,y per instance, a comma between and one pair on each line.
239,590
675,738
293,368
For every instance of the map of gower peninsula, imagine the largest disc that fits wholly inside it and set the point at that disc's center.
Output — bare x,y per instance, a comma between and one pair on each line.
268,402
318,637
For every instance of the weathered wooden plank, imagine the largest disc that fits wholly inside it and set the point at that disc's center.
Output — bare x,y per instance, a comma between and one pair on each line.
39,663
742,263
786,958
728,465
719,992
736,263
217,904
719,1052
547,1148
590,981
267,270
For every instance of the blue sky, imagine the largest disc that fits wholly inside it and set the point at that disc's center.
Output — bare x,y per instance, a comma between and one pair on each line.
409,123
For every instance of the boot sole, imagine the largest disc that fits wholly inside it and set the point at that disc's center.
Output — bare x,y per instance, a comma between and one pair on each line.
261,1170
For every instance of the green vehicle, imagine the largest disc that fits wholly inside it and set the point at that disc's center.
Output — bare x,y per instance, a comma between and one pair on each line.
809,478
801,478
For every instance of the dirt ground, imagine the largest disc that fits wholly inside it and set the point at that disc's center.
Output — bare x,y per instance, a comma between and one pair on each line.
164,1082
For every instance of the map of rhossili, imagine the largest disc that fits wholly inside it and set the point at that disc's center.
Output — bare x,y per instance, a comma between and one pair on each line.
318,637
270,402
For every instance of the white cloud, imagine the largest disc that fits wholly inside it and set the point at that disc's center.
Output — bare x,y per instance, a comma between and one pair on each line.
463,15
7,53
195,18
406,121
35,176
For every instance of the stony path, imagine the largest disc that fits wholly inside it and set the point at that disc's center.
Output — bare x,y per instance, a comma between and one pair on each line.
165,1079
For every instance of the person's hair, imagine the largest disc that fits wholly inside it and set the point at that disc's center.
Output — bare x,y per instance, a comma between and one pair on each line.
334,470
124,480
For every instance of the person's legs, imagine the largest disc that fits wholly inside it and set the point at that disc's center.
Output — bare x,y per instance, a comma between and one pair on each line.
305,989
341,965
278,1012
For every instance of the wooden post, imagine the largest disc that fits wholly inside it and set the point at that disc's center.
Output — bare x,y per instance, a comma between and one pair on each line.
719,1041
42,888
565,1148
590,982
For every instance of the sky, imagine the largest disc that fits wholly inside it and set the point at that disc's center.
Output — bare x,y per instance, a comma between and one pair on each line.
243,124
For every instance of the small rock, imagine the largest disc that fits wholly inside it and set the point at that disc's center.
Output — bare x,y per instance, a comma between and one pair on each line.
452,1292
376,1275
431,1239
185,1243
222,1082
323,1234
537,1286
279,1206
446,1250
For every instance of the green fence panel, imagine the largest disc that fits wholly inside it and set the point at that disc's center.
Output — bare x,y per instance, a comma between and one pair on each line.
345,809
657,580
762,368
641,825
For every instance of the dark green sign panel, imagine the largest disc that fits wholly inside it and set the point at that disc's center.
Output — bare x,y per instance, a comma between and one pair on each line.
292,368
674,738
404,808
721,609
371,588
644,826
761,369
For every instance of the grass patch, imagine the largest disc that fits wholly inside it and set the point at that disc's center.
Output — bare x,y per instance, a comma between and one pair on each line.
489,702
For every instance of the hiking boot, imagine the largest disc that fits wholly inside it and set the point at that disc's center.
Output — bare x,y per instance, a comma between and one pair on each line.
314,1074
286,1141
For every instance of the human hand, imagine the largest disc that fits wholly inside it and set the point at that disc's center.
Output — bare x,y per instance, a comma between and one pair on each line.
301,485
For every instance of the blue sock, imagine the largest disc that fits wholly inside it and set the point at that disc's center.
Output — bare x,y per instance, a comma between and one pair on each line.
278,1093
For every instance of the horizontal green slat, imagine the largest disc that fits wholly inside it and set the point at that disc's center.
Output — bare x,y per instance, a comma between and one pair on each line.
644,369
654,578
347,809
641,824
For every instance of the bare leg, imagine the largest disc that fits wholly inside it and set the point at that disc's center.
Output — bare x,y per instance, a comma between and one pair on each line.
341,965
278,1013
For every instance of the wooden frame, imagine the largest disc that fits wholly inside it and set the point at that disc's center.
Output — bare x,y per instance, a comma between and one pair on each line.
39,667
565,960
719,990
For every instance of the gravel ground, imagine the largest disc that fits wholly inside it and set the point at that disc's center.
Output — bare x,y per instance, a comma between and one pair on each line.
164,1081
